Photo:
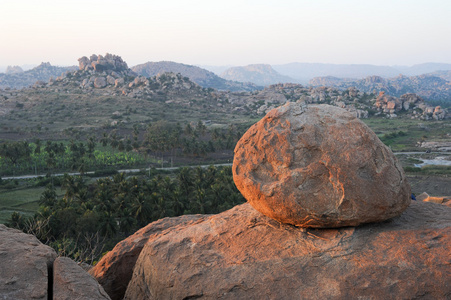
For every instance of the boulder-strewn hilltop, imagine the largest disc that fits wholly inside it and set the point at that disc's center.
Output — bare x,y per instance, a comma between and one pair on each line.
74,97
260,74
198,75
17,79
360,103
427,86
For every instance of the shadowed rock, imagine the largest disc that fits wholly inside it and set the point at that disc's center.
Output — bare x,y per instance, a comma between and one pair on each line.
24,265
242,254
72,282
318,166
31,270
115,269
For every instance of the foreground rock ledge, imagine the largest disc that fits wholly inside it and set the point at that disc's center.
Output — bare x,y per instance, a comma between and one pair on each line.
318,166
241,254
115,269
30,269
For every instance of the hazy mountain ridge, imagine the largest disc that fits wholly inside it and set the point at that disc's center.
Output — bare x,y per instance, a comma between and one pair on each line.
198,75
307,71
260,74
16,79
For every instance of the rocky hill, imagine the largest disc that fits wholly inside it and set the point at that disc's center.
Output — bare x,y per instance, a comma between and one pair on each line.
442,74
198,75
261,75
105,92
360,103
427,86
16,78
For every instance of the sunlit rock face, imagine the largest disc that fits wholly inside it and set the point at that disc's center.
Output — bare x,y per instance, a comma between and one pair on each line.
318,166
242,254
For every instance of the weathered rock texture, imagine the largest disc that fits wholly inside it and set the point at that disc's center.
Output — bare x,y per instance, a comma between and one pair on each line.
24,265
115,269
318,166
30,269
242,254
72,282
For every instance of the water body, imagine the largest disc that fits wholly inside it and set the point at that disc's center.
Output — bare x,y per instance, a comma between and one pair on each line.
438,161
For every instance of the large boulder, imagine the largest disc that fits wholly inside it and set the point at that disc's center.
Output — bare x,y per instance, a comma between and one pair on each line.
25,265
242,254
318,166
115,269
70,281
100,82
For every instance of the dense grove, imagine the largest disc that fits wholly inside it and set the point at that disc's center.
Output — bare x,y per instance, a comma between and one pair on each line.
160,140
92,216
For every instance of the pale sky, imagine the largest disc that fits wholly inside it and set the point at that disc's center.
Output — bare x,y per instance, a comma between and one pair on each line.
218,32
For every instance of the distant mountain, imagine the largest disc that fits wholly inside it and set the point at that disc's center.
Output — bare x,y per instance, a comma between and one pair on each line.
306,71
198,75
424,68
427,86
17,78
259,74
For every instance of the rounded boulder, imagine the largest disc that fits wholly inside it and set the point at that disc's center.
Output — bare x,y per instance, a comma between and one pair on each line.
318,166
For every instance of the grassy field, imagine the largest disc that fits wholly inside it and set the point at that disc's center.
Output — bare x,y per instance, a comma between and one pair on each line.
404,134
23,199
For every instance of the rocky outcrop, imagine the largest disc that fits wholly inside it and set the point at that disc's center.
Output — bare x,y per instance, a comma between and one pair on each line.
318,166
390,106
438,200
242,254
25,265
427,86
70,281
115,269
101,63
31,270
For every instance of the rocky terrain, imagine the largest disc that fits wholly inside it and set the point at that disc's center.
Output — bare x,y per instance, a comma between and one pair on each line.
251,253
31,270
72,100
361,104
261,75
198,75
427,86
442,74
16,78
244,253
